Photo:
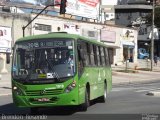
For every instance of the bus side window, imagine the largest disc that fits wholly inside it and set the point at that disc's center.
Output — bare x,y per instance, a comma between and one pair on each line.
102,56
92,60
106,57
95,54
110,55
98,56
80,59
88,61
99,48
84,56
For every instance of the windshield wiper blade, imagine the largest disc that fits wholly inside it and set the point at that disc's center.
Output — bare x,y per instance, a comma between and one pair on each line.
28,76
55,74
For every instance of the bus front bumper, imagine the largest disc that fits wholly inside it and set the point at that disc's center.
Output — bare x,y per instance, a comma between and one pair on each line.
65,99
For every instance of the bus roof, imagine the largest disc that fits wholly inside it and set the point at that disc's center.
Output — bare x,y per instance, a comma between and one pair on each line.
59,35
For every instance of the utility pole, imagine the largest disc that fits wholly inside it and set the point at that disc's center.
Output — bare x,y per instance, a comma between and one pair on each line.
100,11
152,37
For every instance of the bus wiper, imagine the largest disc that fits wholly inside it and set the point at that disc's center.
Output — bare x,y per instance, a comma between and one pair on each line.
55,74
28,76
29,73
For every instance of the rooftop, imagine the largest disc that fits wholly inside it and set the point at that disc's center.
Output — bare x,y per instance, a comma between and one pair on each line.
149,7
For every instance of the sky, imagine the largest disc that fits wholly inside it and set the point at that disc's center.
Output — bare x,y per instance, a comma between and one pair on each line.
30,1
109,2
104,2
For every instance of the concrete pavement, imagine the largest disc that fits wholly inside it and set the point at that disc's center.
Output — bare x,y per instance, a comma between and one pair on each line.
5,84
140,76
121,78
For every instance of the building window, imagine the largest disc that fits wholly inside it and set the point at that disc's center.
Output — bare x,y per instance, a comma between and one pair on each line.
145,30
91,33
142,31
129,16
143,14
140,14
107,15
43,27
117,16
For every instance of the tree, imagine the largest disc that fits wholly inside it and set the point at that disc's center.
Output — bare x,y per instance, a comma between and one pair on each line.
44,2
157,17
49,2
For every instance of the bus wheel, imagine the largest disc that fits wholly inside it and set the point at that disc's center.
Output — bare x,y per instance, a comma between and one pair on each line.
86,104
104,97
34,110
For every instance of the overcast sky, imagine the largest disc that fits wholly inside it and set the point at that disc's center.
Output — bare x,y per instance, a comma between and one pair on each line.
109,2
104,2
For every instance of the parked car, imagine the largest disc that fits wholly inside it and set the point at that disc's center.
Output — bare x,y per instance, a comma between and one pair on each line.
142,53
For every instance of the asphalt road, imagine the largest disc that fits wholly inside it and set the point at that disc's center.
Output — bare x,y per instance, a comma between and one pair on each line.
124,102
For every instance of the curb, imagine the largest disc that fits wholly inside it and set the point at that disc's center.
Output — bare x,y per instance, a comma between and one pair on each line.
136,83
154,93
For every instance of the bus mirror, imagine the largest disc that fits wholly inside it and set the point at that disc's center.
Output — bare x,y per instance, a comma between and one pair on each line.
7,58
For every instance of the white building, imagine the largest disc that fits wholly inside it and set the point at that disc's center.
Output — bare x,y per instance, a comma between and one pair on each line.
120,40
108,12
125,39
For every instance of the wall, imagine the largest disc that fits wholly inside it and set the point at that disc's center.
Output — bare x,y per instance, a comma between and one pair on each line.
16,22
120,37
59,22
56,22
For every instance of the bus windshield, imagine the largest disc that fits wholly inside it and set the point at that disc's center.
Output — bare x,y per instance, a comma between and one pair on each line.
43,60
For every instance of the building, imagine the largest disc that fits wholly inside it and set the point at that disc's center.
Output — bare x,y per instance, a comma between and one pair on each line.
113,36
117,38
108,12
133,14
137,10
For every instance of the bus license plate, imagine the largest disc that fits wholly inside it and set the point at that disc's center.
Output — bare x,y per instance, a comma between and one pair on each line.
43,99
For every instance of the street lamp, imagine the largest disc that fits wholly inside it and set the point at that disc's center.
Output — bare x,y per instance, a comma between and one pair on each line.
152,37
24,27
152,33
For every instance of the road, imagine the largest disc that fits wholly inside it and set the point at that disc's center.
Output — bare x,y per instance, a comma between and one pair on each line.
123,101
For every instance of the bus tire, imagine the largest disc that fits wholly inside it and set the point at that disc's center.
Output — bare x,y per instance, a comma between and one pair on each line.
86,104
104,96
34,110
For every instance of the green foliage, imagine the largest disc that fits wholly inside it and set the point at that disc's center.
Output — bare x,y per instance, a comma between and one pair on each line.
156,17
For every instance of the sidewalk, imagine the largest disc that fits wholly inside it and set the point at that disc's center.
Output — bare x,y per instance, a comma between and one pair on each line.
120,78
5,84
135,78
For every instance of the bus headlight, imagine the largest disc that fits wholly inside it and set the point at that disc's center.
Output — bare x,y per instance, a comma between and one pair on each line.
70,87
17,91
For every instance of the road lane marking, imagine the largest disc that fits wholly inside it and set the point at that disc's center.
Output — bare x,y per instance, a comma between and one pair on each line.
147,89
6,94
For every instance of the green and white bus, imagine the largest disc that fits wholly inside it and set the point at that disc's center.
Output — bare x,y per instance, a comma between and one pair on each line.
59,69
